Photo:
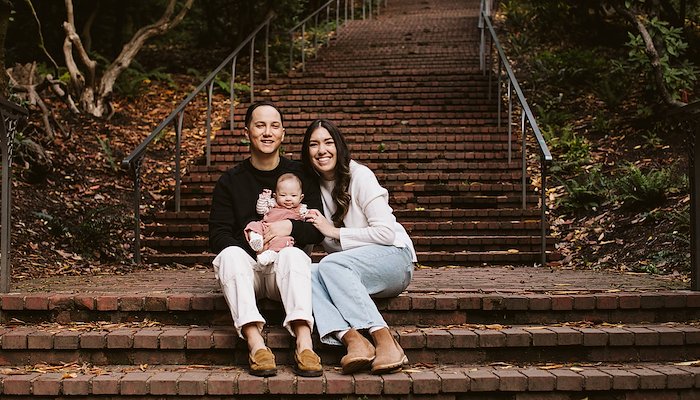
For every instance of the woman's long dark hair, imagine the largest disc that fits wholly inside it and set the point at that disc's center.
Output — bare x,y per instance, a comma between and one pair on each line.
341,196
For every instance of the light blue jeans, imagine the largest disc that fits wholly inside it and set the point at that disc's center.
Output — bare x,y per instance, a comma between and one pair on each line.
344,283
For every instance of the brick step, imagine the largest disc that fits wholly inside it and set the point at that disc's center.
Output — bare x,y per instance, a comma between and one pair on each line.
402,133
402,189
390,102
447,244
642,381
422,215
412,55
395,168
359,148
380,118
429,258
403,200
388,156
436,296
362,73
422,178
298,80
375,99
104,343
505,255
401,92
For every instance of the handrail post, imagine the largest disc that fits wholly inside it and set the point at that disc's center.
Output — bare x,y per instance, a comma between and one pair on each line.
543,211
524,138
291,51
337,15
694,166
482,37
498,93
267,53
210,91
252,70
231,95
510,121
10,114
136,170
178,150
303,47
6,139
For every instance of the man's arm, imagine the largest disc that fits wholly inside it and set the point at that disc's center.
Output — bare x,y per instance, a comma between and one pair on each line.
223,224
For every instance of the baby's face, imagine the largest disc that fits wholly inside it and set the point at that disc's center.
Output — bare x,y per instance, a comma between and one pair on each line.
288,194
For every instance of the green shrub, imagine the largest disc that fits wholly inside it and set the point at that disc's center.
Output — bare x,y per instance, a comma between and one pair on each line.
95,234
132,82
639,189
586,192
572,150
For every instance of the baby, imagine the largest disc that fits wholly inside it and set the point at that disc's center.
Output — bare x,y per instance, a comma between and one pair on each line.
286,204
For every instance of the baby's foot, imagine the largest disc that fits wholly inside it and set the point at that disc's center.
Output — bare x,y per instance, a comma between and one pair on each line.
267,257
256,241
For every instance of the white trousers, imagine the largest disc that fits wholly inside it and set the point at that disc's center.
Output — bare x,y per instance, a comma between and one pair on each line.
243,281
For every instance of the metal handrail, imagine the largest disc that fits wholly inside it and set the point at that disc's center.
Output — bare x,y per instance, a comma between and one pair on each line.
134,160
690,114
347,6
10,114
526,114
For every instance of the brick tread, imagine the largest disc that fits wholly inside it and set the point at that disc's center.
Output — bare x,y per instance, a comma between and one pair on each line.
650,380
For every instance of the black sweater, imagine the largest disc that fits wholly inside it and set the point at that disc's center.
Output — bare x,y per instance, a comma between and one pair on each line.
234,198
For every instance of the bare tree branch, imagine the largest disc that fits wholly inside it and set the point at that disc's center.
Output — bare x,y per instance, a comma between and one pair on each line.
32,94
132,48
650,50
69,27
41,36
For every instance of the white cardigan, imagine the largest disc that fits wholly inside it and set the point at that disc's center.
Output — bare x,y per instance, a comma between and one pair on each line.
370,219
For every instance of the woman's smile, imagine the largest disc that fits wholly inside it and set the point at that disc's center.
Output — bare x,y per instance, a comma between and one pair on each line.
323,151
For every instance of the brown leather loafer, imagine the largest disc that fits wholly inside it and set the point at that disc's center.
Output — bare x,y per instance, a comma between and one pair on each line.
308,364
262,363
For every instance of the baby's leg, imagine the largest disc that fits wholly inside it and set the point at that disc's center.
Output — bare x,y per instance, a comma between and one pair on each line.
254,234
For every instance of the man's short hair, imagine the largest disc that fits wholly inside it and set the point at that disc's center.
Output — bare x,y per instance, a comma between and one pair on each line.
252,107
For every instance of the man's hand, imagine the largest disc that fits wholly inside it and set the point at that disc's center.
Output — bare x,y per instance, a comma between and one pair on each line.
277,229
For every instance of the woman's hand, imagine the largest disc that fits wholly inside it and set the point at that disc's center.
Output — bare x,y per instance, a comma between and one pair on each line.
322,224
275,229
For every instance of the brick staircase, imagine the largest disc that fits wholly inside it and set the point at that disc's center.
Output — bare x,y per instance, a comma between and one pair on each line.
406,90
495,333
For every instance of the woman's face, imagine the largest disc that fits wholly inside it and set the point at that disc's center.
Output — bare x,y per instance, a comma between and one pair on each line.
322,153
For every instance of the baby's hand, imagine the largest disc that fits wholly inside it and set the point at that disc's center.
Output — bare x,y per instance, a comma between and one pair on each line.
264,203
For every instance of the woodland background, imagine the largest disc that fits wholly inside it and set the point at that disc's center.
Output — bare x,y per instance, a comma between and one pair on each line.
603,78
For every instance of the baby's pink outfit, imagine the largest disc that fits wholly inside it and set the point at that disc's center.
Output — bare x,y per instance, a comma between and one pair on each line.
275,214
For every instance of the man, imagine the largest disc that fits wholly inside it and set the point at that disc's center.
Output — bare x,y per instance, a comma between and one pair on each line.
242,278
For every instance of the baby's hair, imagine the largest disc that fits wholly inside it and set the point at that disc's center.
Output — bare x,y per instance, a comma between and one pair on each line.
289,176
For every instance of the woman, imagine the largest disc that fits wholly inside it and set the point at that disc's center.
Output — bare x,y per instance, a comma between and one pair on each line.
370,254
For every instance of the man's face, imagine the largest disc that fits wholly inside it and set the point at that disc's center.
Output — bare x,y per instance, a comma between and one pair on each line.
265,131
